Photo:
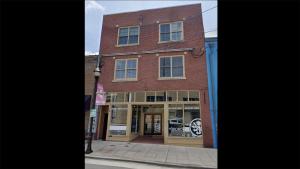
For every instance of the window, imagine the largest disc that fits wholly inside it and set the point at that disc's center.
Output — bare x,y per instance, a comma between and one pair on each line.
171,31
129,97
171,67
180,118
150,96
140,96
118,119
191,112
117,97
126,69
108,97
193,96
160,96
182,96
128,35
172,95
175,120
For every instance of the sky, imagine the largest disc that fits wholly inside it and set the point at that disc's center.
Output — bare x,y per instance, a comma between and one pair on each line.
94,11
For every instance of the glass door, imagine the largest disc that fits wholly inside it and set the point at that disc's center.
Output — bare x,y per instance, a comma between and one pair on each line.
148,124
152,124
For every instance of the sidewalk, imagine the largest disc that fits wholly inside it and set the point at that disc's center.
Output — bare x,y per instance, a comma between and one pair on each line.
158,154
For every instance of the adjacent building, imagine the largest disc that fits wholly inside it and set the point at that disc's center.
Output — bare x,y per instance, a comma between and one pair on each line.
154,74
211,48
89,82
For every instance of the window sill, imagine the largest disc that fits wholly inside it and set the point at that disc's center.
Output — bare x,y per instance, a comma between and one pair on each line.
134,44
178,137
172,78
170,41
127,80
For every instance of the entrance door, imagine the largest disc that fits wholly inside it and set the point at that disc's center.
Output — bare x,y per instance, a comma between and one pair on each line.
152,124
105,126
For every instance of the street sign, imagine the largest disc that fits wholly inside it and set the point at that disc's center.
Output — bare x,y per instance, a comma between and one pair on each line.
93,113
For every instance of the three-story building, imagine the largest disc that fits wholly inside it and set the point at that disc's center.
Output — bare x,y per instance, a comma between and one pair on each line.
155,77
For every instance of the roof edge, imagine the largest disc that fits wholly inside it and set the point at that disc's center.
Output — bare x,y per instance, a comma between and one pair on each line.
151,9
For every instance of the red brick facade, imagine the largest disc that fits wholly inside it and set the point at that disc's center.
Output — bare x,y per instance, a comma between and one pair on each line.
148,64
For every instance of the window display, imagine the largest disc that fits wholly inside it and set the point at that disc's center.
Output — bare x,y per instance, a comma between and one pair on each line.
184,120
118,119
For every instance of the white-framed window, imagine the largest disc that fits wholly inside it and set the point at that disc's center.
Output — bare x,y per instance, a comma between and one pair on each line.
128,35
171,31
171,67
126,69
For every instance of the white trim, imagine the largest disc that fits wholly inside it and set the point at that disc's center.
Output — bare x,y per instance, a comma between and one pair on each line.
128,44
126,79
171,71
182,32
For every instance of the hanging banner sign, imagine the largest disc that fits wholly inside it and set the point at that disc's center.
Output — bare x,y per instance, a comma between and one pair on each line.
100,95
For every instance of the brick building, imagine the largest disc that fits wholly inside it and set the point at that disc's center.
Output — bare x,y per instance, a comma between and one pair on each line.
155,77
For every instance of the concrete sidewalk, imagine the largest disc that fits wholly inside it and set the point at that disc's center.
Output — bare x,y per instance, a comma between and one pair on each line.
157,154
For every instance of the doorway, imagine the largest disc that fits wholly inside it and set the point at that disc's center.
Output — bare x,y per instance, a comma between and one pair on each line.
152,125
102,128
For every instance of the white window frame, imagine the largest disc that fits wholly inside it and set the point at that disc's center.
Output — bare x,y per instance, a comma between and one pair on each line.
128,44
182,36
125,79
171,78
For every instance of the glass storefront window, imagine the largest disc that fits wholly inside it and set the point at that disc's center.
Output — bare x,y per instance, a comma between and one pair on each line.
108,97
140,96
118,97
193,96
180,119
129,97
118,119
182,95
191,112
172,95
160,96
150,96
175,120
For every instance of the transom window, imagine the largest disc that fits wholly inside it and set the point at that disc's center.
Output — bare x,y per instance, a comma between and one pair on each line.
171,67
128,35
171,31
126,69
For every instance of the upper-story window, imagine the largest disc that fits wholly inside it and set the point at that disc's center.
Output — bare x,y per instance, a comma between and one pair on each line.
128,36
126,69
171,67
171,31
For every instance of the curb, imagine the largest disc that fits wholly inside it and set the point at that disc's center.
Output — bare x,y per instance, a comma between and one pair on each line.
149,162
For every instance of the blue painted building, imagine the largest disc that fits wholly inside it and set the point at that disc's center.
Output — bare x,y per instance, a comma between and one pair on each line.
211,47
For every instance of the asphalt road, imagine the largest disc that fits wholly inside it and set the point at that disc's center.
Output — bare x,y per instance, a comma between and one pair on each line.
93,166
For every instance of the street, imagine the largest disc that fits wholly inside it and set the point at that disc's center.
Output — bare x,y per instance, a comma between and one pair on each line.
93,166
113,164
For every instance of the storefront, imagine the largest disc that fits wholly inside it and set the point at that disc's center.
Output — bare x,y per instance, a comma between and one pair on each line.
173,115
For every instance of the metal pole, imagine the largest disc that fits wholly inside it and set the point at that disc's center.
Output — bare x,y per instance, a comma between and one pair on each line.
90,138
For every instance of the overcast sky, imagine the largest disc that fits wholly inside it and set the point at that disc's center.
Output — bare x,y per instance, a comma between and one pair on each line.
94,11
